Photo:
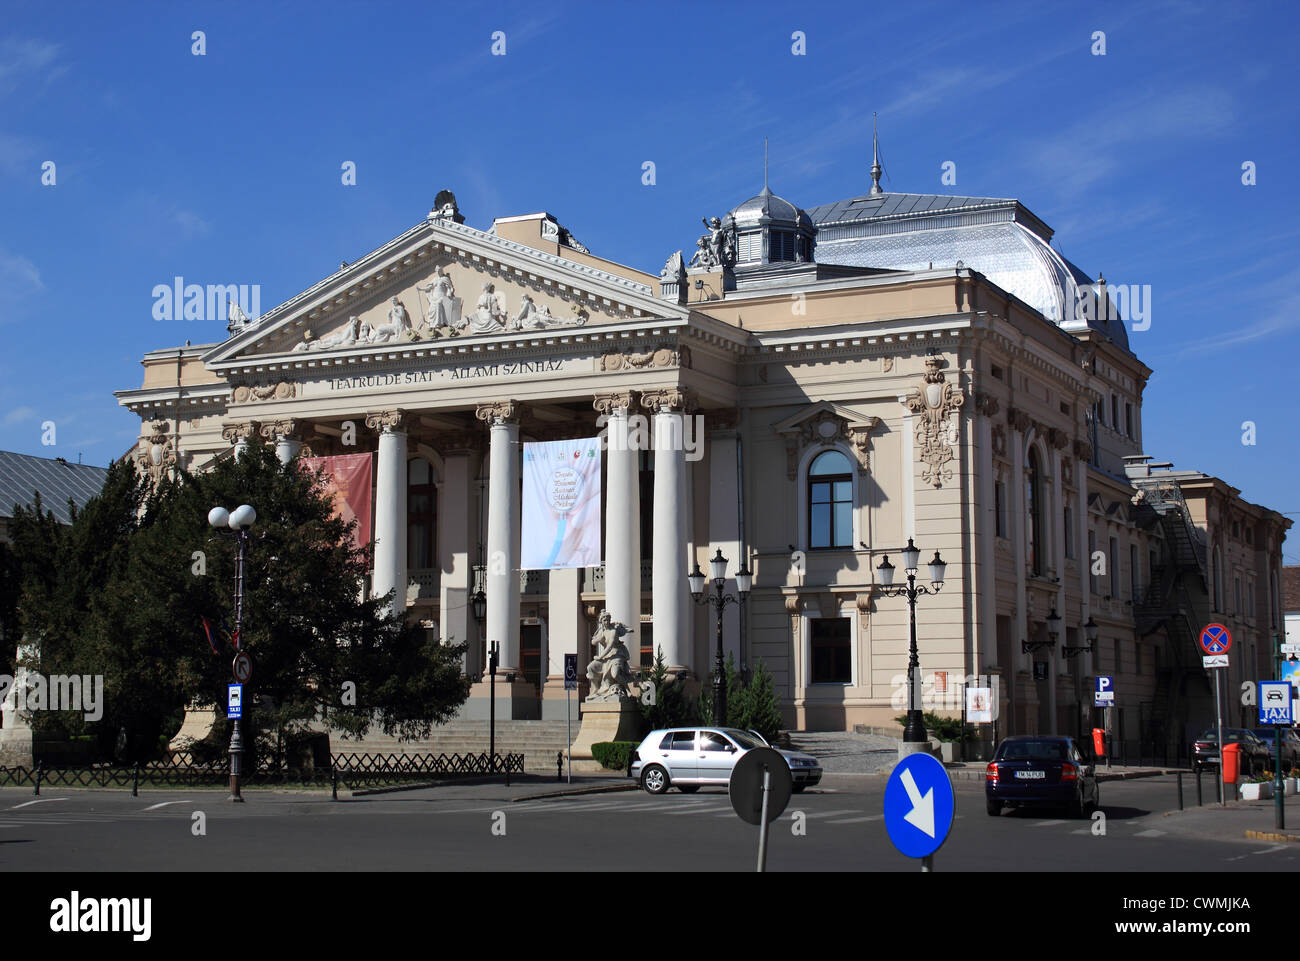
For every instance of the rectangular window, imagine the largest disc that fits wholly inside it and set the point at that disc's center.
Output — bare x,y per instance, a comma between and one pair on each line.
1236,595
1135,582
1114,412
1099,413
1250,598
1114,568
1069,532
1119,664
1000,507
831,654
830,513
1128,419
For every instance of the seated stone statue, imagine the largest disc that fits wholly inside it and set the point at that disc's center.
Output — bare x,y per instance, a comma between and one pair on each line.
608,670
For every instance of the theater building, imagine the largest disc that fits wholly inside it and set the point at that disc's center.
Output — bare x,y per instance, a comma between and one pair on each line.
808,390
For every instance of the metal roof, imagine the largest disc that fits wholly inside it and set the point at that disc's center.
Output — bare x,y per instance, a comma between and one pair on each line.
21,475
887,205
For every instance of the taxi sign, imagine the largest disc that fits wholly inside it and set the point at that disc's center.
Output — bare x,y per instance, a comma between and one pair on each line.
919,805
1274,702
1215,639
234,701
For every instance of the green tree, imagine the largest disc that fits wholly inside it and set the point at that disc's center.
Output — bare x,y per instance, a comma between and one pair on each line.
138,571
671,707
751,706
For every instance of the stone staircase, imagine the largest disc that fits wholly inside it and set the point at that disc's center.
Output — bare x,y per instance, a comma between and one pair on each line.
538,741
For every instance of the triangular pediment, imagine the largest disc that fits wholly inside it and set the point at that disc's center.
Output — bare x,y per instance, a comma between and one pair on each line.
813,413
442,283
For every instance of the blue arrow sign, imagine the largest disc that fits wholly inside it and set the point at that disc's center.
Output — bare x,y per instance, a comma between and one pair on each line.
919,805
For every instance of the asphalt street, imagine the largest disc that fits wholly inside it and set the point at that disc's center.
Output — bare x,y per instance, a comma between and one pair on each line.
480,828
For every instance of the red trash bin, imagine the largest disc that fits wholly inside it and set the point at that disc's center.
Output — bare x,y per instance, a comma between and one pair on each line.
1099,741
1231,763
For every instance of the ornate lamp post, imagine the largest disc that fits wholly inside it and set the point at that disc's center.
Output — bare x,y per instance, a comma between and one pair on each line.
240,520
1090,632
744,579
915,729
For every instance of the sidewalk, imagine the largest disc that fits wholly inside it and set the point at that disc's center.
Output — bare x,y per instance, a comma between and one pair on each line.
1235,821
524,787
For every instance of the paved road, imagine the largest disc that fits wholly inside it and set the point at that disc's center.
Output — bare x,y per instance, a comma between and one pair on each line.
428,829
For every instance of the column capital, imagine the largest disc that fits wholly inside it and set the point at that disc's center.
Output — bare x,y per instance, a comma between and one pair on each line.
501,411
387,421
1018,419
239,431
675,399
284,427
612,401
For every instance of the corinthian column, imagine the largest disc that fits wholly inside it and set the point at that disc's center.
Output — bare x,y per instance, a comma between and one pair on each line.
390,506
503,531
238,434
622,514
670,587
282,432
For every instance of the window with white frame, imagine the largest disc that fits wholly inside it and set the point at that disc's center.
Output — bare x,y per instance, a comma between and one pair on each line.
830,650
830,501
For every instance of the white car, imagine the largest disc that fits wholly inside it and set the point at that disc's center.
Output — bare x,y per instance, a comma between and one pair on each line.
689,757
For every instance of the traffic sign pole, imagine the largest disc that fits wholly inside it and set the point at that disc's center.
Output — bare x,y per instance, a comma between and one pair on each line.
762,825
1218,710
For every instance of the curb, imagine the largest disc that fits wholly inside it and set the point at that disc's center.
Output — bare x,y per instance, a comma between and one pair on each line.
1271,836
593,789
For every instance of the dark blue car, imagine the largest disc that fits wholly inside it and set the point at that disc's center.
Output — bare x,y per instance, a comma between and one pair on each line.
1041,770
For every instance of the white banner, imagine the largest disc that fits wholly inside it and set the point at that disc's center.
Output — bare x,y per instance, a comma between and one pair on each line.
561,505
979,705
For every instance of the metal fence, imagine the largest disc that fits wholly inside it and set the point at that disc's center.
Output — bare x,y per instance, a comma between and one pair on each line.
181,769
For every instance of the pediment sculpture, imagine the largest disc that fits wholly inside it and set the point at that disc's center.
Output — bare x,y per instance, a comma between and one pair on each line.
608,669
444,305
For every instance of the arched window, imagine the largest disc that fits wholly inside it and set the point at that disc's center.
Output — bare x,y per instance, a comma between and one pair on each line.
830,501
1034,513
421,499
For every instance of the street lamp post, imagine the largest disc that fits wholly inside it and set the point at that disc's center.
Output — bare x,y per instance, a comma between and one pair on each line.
719,600
240,520
914,731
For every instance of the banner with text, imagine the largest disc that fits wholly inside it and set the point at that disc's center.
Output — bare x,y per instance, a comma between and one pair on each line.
561,505
348,479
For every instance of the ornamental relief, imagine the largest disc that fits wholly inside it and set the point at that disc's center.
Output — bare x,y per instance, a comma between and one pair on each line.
251,393
156,455
826,429
660,357
499,301
934,401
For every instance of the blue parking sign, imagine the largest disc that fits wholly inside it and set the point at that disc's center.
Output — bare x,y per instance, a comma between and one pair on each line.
1103,691
1274,702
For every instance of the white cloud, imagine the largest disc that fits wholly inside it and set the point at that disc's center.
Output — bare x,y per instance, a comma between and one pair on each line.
19,414
23,59
19,280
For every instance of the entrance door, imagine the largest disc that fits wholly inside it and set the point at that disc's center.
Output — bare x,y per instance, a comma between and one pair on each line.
530,653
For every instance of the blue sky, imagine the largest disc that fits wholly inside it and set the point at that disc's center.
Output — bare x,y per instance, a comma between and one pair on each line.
225,168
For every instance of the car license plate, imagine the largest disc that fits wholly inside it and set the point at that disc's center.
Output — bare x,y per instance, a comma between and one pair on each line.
1031,775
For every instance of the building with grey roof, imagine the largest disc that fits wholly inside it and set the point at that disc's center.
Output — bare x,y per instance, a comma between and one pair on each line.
22,476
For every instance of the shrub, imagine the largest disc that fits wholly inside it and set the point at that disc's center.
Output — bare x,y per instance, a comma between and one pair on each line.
614,755
943,728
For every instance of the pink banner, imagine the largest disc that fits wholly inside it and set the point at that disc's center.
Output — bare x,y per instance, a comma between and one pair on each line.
348,479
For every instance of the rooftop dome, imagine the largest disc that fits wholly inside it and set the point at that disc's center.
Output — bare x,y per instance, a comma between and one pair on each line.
767,207
771,230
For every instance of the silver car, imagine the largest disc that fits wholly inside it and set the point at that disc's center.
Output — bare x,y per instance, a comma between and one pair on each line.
689,757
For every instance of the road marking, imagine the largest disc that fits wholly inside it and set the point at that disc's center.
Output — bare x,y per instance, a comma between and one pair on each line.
37,801
163,804
1082,831
1048,824
1275,848
874,817
708,810
1153,833
831,814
